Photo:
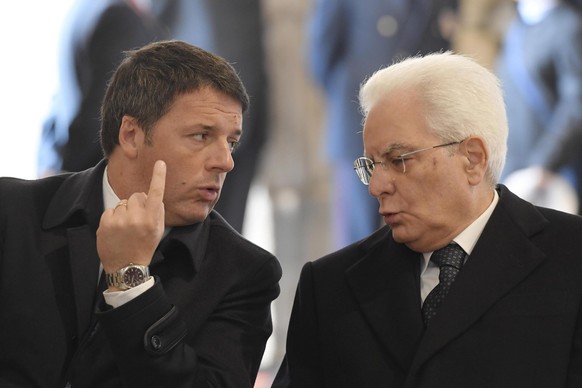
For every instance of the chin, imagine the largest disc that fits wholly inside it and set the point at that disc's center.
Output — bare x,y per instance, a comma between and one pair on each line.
400,236
187,218
397,238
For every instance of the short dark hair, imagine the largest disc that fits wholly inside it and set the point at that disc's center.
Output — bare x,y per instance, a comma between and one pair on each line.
149,79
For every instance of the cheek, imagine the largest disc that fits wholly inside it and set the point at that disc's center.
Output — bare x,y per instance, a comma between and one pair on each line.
175,183
429,194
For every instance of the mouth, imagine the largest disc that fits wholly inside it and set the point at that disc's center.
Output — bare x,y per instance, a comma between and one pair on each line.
210,192
389,218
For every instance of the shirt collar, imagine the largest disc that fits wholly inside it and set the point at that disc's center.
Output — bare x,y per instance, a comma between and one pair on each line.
110,199
468,237
185,242
191,237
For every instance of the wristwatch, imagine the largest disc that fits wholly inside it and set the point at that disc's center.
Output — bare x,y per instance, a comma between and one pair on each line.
128,277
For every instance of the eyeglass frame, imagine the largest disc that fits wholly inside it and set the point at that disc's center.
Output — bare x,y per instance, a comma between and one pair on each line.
369,162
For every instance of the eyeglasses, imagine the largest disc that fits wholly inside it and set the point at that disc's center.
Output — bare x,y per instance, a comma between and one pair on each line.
364,166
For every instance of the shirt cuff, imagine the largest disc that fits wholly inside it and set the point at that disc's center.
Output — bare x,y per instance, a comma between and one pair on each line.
118,298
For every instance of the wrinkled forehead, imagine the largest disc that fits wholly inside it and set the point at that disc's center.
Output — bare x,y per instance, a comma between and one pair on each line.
397,139
396,121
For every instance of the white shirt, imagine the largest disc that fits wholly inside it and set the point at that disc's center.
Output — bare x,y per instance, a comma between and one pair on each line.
429,271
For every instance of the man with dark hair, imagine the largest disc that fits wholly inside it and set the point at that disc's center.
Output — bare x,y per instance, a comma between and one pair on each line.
188,299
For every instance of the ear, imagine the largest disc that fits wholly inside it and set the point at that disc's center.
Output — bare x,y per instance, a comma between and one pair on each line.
131,136
477,155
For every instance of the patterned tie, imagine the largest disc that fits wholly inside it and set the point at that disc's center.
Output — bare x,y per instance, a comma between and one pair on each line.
450,260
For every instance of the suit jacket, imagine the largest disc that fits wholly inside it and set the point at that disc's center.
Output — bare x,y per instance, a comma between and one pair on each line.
204,323
513,317
93,39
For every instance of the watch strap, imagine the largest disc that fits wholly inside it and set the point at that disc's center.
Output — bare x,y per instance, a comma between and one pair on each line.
119,279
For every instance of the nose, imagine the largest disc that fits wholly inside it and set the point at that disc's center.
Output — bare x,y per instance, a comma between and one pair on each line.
221,157
381,182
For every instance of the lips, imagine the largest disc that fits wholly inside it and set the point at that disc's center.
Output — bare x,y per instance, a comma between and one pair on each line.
210,192
389,218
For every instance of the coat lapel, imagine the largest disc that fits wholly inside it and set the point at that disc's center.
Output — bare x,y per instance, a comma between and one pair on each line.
85,272
502,258
386,286
75,210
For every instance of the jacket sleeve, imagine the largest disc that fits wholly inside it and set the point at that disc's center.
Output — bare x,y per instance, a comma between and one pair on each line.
575,368
153,346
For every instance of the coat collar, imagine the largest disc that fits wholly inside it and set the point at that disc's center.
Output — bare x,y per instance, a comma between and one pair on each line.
502,258
80,193
190,240
70,222
79,201
385,281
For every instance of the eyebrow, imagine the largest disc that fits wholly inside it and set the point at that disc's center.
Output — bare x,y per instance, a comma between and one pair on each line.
391,148
212,128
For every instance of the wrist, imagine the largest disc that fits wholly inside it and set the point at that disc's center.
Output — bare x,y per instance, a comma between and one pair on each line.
127,277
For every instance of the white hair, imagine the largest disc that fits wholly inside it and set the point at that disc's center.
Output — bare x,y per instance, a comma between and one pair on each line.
460,98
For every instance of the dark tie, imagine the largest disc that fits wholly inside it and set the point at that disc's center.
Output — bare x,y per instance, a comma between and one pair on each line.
450,260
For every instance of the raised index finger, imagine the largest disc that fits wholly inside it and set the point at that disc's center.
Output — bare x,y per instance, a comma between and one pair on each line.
157,185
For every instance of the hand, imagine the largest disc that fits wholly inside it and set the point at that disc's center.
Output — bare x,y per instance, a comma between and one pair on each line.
132,231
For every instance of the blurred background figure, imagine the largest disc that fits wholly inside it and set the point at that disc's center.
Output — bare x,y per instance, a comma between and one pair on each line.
481,27
233,30
540,66
93,38
349,40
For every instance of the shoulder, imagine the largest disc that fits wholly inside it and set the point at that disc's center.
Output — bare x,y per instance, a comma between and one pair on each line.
221,230
545,227
14,191
565,226
55,197
348,256
224,241
23,203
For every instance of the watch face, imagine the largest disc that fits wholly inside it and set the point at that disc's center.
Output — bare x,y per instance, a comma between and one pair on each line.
133,276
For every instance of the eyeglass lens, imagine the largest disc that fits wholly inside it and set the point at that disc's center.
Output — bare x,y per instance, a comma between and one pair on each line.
364,168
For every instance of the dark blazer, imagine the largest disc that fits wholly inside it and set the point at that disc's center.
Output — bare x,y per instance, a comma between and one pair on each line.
513,317
204,323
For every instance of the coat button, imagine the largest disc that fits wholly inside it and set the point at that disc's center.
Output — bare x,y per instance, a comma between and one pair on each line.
156,342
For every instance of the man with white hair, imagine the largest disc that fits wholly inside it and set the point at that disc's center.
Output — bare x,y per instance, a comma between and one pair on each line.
467,285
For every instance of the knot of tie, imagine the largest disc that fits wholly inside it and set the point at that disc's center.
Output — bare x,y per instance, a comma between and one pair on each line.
449,259
450,256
